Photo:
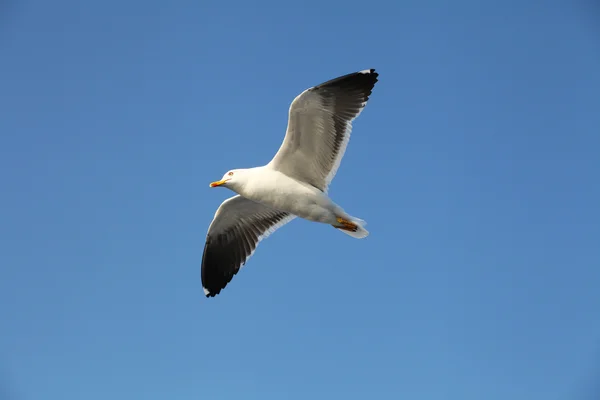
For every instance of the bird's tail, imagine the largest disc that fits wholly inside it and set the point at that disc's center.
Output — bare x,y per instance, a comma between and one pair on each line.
352,226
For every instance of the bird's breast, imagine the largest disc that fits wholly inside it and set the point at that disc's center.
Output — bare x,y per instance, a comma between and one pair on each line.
282,193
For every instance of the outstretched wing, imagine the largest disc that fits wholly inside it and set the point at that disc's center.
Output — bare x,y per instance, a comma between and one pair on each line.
237,228
319,127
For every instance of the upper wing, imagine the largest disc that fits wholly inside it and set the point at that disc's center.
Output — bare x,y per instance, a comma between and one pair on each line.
239,224
319,126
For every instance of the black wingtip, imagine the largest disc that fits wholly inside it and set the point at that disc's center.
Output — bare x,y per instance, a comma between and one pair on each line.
365,78
370,71
375,75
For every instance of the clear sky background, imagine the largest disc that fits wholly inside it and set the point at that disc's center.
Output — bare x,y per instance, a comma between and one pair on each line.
475,164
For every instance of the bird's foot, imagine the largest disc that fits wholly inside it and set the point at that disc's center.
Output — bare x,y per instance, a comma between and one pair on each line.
346,225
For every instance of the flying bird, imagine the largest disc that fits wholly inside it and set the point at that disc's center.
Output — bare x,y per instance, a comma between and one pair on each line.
293,184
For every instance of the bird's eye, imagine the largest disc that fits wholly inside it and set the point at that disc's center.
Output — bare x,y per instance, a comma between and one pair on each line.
231,173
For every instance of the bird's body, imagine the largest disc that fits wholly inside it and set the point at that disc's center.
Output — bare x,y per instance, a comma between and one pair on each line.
293,184
275,189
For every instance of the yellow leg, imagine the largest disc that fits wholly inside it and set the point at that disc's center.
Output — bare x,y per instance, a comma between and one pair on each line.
346,225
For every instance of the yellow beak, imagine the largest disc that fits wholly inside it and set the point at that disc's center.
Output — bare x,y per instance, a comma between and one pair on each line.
218,183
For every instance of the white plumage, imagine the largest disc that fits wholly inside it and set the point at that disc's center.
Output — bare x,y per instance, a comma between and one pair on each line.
294,184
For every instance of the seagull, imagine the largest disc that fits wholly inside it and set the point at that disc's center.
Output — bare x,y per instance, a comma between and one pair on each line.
293,184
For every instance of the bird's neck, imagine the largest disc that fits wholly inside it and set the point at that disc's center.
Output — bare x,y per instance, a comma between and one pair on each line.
254,180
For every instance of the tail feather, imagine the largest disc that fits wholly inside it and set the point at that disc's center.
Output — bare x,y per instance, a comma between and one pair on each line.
360,232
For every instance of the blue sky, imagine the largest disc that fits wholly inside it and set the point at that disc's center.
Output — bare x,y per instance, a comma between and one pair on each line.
475,165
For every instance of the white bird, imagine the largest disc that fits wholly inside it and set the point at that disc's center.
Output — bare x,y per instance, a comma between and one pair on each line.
293,184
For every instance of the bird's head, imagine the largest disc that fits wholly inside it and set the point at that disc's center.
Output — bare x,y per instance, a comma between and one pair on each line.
229,179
